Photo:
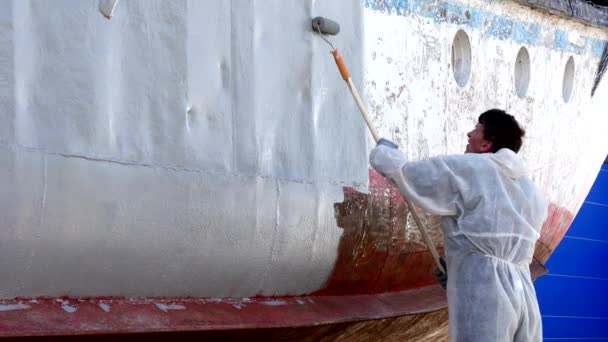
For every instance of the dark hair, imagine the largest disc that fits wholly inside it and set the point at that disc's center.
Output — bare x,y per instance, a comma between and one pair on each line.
502,130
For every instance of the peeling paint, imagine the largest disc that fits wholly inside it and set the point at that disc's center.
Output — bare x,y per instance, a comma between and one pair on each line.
499,26
274,302
563,42
598,47
11,307
167,307
68,308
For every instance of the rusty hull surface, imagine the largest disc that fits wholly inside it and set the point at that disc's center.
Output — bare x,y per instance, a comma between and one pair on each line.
427,327
48,317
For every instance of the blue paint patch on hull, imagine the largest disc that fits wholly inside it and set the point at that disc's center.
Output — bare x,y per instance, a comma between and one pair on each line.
598,47
526,33
562,43
496,26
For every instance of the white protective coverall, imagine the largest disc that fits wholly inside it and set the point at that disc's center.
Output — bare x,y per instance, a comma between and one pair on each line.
492,214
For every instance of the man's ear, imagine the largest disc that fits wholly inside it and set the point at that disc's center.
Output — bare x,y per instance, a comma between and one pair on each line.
486,146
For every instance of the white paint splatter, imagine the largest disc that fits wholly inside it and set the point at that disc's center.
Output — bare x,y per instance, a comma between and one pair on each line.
9,307
274,302
66,307
238,306
301,302
576,39
104,307
166,308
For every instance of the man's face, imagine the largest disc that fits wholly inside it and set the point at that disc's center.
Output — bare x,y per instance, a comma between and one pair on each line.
477,144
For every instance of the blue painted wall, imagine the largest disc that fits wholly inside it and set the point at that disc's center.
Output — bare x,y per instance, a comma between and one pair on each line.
573,297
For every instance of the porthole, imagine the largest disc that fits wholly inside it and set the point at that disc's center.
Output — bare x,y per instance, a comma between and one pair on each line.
461,58
522,72
568,80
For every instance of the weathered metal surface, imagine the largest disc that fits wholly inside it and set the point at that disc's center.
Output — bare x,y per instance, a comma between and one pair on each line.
589,12
378,252
427,327
428,127
100,316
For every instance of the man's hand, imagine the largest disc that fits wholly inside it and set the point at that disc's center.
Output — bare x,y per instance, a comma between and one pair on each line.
387,143
442,278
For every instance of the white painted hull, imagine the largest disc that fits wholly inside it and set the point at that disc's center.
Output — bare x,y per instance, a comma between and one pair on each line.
190,148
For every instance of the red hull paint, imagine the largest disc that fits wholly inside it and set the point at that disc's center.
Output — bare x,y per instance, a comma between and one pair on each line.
554,229
374,255
49,316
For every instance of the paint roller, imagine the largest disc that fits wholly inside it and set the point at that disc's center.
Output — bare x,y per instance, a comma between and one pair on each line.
324,26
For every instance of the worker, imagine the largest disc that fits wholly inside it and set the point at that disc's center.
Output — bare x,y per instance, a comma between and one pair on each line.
492,214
